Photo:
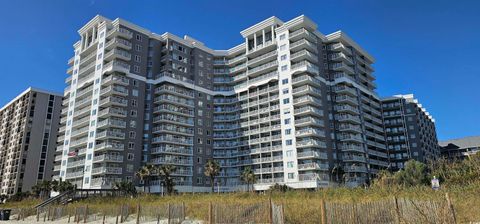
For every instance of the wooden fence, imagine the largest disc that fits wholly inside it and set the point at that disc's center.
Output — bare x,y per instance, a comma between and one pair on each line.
390,210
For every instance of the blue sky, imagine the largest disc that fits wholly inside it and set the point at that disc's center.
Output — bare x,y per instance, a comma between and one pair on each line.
429,48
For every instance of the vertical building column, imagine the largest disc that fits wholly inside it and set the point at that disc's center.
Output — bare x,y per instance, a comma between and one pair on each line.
263,37
94,32
255,41
246,45
273,36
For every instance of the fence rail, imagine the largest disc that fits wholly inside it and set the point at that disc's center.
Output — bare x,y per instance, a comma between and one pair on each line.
391,210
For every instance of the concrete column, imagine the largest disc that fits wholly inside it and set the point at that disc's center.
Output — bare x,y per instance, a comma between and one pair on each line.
246,44
82,42
273,32
94,33
263,37
86,40
255,41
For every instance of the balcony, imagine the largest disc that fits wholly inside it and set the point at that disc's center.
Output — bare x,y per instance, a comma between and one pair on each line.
107,170
347,118
305,79
312,155
122,32
346,99
309,132
108,158
113,101
306,89
115,146
180,150
350,138
119,66
118,42
112,111
313,166
117,53
306,121
311,143
346,108
350,128
186,161
355,169
304,100
113,79
303,44
313,177
115,123
308,110
346,147
302,33
175,90
114,90
342,67
345,90
263,68
260,48
341,57
304,55
77,163
262,58
111,135
104,183
354,158
305,66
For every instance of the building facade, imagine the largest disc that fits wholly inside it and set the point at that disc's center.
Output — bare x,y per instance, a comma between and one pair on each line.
410,131
28,138
460,148
297,106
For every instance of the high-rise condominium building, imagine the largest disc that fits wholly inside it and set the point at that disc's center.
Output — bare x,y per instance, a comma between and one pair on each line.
410,131
296,106
28,138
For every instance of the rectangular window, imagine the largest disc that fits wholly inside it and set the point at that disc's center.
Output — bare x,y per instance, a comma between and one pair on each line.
288,131
290,164
285,91
282,37
286,121
288,142
284,81
284,67
286,101
283,57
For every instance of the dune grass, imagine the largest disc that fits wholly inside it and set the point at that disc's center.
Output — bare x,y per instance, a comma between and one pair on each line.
299,205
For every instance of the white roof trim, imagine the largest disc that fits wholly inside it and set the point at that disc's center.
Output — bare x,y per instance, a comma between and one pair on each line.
30,89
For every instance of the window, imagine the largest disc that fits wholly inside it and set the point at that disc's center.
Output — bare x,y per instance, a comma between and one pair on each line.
288,142
138,37
283,47
290,164
138,58
290,175
284,67
136,68
282,37
286,100
133,113
288,131
289,153
130,156
131,145
138,47
284,81
133,124
134,92
132,135
134,102
285,91
283,57
286,121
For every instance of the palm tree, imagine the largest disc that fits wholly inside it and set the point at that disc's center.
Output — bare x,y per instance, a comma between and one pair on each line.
165,171
248,177
145,174
212,169
42,188
126,187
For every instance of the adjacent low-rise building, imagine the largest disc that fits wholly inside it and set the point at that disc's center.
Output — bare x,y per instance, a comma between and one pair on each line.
28,138
409,130
460,148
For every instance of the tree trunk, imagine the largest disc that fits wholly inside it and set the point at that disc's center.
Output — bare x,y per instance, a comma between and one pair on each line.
212,182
